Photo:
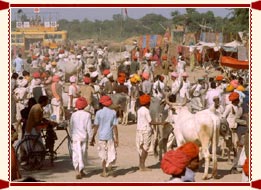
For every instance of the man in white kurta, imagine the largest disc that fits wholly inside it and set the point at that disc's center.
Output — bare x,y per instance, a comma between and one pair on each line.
144,131
232,113
73,92
81,132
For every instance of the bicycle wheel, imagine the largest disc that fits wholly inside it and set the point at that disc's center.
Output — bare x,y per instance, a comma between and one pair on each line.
30,154
69,144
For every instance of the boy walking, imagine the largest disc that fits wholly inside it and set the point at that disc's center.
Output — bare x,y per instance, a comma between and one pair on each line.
106,124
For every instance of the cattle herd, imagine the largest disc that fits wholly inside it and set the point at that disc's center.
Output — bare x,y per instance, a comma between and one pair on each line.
201,111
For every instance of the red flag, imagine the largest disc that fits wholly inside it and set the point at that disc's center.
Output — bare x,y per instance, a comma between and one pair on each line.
36,10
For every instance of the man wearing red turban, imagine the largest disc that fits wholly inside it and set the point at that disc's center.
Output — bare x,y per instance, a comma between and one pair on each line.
81,133
192,151
174,162
181,163
233,113
105,123
144,100
144,130
121,87
87,91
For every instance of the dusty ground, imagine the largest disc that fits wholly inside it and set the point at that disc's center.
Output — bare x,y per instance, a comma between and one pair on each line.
126,169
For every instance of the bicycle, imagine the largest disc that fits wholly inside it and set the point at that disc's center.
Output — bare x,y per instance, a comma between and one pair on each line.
31,151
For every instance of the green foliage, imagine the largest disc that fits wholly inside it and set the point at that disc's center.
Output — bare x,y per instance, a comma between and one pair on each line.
120,28
237,20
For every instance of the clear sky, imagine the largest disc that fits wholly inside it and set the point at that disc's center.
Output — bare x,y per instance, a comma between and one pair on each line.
107,13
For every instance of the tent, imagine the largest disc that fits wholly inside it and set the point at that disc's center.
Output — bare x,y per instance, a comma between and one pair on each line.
234,63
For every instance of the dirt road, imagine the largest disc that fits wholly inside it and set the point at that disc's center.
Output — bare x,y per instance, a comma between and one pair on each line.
126,169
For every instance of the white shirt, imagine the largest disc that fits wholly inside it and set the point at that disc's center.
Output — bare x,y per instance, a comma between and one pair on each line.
148,55
210,95
103,81
158,88
143,119
21,93
81,127
175,86
232,113
184,91
72,91
181,66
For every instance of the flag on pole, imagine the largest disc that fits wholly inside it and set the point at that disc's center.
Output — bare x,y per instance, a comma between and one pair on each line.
36,10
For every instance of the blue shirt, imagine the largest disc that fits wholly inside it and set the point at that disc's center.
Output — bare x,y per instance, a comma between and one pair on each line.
18,64
105,119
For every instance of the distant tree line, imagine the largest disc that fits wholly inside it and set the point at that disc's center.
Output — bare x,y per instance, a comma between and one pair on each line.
120,28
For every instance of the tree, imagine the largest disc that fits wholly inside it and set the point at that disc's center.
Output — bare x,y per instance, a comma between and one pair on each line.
239,20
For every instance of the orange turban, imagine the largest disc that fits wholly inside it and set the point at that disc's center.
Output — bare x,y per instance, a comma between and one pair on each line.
121,80
144,99
246,167
164,57
105,100
36,75
86,80
135,58
61,51
190,149
233,96
219,78
81,103
106,72
240,88
174,162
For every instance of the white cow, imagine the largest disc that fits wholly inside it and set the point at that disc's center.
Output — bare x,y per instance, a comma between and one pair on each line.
201,128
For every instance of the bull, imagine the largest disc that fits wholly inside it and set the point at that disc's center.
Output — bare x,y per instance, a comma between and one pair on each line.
121,102
202,128
161,132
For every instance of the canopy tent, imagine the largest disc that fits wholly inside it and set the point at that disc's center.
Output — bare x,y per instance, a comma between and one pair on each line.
231,46
201,45
233,63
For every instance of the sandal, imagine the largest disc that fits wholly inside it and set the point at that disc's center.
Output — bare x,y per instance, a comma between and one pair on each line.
78,176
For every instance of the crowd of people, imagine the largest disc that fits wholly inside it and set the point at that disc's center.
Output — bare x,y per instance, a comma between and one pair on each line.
41,89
